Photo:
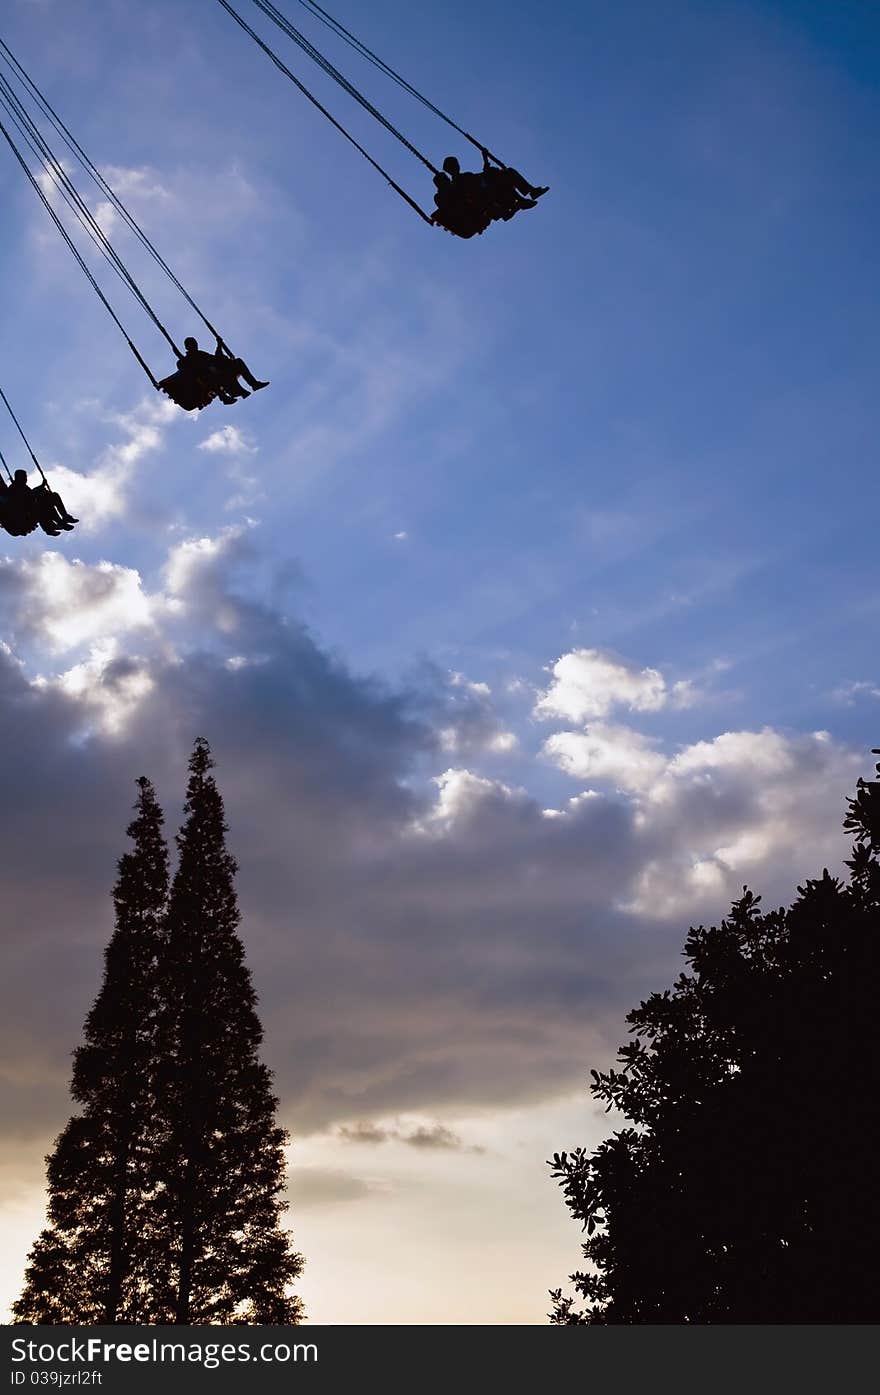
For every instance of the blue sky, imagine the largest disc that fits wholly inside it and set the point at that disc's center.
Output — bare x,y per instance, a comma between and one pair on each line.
586,504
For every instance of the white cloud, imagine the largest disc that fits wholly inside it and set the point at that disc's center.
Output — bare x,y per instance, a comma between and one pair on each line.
618,754
48,183
108,685
135,183
756,754
848,693
195,559
588,684
66,604
458,680
101,495
741,807
135,186
462,797
684,693
502,742
62,605
228,440
467,721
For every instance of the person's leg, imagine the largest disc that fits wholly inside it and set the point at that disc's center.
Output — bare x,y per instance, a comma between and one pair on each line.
505,198
520,185
44,511
66,519
242,371
224,380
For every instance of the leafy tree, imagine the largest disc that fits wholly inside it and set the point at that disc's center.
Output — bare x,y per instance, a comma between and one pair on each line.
88,1265
224,1257
745,1187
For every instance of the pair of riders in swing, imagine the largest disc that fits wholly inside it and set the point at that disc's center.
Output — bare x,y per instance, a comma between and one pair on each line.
467,201
23,509
201,377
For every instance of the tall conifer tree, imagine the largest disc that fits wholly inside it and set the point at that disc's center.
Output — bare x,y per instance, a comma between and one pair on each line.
226,1258
89,1263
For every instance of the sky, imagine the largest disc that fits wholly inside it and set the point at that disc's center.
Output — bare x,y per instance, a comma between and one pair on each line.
530,612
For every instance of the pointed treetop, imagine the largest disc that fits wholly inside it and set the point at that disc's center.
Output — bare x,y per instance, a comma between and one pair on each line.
145,830
146,804
201,761
202,795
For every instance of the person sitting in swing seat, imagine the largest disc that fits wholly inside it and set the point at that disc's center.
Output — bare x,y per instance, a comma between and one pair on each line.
508,190
22,509
52,515
458,200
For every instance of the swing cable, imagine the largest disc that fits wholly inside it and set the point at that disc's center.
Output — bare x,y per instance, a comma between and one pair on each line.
242,23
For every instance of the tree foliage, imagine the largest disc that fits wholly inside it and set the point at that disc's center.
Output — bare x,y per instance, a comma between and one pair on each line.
226,1258
744,1188
165,1192
89,1264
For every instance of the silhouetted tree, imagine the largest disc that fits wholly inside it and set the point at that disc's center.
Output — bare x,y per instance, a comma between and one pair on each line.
225,1257
746,1188
87,1266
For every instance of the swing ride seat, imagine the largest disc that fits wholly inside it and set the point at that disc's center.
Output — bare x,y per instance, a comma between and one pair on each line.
18,517
458,228
17,528
461,221
192,394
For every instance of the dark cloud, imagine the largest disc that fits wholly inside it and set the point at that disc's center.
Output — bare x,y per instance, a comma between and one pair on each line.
364,1132
438,1136
422,1136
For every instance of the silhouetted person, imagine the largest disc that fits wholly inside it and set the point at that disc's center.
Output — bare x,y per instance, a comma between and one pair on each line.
22,509
507,189
52,516
16,512
221,370
459,200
